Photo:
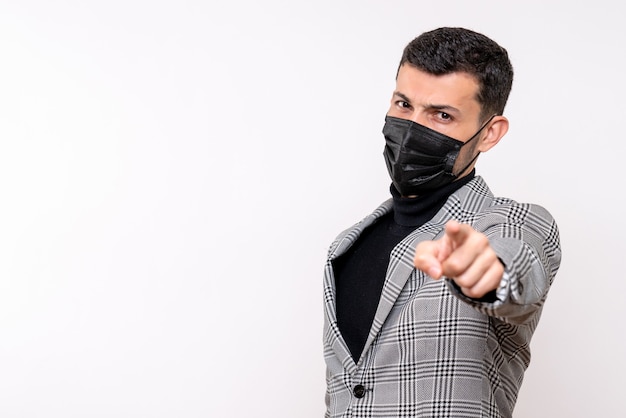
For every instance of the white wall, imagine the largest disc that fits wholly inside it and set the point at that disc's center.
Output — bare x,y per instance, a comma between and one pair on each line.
172,172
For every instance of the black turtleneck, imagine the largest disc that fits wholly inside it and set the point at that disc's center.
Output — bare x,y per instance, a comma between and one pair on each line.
360,272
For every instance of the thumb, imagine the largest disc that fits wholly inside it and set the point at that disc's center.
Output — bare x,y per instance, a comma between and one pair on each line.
427,258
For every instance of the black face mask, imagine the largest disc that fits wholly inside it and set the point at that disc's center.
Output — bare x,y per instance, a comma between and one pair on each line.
418,158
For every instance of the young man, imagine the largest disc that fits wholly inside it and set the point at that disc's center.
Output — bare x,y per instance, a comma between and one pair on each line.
431,301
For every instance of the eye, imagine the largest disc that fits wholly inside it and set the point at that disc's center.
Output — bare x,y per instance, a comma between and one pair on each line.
402,104
444,116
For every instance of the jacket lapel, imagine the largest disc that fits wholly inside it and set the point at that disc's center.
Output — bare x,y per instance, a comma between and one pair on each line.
399,270
343,242
400,264
401,258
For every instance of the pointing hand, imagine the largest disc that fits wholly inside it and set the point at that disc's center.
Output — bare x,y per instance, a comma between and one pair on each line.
463,255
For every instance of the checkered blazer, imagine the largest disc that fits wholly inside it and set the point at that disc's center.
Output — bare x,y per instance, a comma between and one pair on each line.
431,351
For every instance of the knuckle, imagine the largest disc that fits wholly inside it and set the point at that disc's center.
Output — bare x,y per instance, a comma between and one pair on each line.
481,240
473,292
463,281
465,278
453,266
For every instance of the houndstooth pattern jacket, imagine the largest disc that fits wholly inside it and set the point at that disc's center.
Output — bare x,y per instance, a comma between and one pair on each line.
431,351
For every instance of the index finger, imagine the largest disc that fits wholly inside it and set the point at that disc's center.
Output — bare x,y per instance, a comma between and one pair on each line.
458,232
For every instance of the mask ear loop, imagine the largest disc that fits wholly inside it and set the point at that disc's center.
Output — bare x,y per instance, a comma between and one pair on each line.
478,131
470,140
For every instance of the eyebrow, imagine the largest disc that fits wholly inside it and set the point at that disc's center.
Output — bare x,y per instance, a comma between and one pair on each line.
446,108
402,96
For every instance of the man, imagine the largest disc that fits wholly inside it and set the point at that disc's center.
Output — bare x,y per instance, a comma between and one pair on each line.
431,301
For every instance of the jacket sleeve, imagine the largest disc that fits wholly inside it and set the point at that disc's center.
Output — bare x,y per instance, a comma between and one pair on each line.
526,239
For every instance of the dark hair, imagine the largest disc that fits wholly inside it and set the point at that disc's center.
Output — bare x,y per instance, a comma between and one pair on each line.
449,50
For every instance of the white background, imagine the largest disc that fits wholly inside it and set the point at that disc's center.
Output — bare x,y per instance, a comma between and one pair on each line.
172,173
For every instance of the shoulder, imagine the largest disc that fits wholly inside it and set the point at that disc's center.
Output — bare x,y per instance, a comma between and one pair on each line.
477,194
509,217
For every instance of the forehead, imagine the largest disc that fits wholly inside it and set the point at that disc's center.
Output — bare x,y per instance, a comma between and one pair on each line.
459,90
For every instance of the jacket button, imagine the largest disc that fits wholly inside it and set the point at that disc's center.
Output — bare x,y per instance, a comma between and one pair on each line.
359,391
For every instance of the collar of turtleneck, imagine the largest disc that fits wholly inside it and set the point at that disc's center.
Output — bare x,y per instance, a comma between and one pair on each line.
415,211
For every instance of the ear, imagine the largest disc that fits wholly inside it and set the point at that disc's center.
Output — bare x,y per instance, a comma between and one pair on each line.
496,129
